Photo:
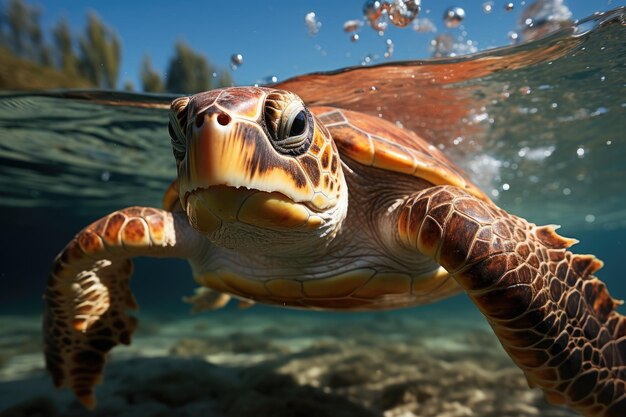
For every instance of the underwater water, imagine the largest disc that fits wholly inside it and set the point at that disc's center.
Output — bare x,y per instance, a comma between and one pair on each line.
538,126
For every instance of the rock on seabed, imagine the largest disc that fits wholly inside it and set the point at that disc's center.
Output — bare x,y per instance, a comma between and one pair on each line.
268,364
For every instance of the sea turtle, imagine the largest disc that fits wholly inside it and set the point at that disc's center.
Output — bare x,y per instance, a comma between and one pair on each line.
325,208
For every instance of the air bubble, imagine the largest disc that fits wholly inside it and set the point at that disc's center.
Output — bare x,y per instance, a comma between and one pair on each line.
313,26
453,17
513,36
506,186
236,60
487,7
350,26
367,59
509,6
354,37
402,12
580,152
373,11
590,218
566,191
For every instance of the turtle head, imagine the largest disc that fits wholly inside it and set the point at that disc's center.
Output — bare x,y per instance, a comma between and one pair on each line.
256,170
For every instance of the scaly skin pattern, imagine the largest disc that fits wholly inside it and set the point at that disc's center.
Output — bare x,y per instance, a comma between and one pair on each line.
553,317
88,293
250,193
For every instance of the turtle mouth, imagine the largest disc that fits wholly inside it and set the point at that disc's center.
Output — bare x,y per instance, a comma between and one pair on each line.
208,209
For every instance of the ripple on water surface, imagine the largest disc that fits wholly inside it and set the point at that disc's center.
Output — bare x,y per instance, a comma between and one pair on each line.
536,125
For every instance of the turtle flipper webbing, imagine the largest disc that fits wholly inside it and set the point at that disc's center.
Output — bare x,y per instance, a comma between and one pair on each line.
554,318
88,294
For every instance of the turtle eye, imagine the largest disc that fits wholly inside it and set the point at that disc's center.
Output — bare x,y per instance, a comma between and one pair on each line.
289,123
298,124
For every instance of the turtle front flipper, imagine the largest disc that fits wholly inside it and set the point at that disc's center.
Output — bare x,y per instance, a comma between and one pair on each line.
88,293
554,318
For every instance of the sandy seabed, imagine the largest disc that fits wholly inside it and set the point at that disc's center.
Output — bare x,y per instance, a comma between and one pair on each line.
261,362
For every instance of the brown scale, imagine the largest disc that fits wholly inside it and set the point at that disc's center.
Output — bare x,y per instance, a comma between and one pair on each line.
554,318
81,327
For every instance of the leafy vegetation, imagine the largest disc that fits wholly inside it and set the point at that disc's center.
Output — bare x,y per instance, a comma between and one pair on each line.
90,59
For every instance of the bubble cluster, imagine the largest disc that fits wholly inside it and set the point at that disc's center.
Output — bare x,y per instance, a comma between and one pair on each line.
367,59
379,14
373,10
442,45
313,26
389,52
542,17
446,46
424,25
402,12
453,16
399,12
236,60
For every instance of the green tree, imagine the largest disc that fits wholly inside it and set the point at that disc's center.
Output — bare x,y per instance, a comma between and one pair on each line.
100,53
47,56
17,20
150,79
64,44
22,32
188,71
224,80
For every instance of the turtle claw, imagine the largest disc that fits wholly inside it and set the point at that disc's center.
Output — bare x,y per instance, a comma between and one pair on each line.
548,236
245,304
554,318
88,295
205,299
85,318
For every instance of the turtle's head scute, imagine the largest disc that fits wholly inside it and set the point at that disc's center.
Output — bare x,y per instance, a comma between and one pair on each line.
255,166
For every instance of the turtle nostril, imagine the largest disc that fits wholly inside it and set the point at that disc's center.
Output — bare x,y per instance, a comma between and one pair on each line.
223,119
199,120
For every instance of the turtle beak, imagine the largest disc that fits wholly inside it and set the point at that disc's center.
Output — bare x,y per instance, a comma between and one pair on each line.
225,178
232,151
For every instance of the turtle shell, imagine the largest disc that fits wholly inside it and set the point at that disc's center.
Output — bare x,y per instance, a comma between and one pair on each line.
378,143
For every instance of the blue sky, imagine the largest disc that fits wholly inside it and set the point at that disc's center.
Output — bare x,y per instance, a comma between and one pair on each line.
272,35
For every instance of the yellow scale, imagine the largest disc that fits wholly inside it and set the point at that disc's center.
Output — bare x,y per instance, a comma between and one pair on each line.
353,289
